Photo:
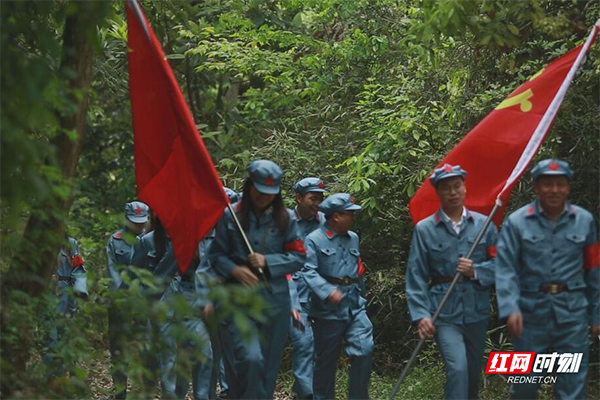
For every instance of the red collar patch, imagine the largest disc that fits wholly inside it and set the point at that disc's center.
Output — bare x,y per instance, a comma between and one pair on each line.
117,235
437,217
329,233
530,210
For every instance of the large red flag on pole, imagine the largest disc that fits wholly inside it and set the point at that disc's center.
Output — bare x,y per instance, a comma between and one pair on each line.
174,173
498,150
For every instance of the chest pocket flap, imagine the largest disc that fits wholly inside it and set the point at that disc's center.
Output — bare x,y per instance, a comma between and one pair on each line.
575,238
355,252
441,246
576,285
119,252
328,251
533,237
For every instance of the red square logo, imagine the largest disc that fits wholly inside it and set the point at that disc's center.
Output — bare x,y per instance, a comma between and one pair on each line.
508,362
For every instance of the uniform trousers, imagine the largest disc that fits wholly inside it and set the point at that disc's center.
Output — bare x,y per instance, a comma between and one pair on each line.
197,350
117,332
461,347
547,336
357,333
257,357
302,356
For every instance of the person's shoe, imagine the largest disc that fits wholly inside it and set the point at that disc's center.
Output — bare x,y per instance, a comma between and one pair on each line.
222,395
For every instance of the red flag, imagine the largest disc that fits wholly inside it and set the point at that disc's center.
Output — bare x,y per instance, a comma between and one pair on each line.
174,173
498,150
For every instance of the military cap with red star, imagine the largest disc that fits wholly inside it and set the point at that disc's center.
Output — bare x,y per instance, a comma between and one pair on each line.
446,171
339,203
551,166
137,212
265,176
307,185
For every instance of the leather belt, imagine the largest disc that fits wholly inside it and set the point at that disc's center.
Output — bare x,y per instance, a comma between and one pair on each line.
438,280
65,278
553,288
346,281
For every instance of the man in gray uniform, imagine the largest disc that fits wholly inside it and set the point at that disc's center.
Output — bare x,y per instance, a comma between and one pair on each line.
547,277
119,254
71,283
332,271
309,194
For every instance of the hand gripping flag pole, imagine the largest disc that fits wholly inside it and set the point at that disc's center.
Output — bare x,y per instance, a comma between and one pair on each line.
249,247
516,134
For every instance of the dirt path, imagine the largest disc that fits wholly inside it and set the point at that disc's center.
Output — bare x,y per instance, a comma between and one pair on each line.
101,386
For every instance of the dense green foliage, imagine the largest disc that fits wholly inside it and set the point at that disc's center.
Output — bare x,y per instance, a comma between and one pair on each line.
368,95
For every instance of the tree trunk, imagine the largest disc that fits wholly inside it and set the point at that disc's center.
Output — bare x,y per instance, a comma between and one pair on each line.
44,233
76,65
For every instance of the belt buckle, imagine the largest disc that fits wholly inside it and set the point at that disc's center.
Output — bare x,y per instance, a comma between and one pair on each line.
554,288
345,281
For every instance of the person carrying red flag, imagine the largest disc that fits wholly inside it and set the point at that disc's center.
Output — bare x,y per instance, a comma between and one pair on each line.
437,252
273,232
498,151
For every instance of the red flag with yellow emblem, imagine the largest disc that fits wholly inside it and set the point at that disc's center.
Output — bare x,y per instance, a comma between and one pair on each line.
498,150
174,173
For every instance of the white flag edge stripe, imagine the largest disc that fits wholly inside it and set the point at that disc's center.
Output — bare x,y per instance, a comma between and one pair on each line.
544,125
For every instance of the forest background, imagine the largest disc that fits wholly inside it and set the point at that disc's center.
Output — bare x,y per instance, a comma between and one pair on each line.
367,95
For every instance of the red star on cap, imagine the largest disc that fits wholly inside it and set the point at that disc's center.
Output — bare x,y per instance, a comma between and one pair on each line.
321,185
553,166
269,181
138,210
447,168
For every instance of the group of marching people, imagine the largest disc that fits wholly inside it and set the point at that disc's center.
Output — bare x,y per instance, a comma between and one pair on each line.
307,265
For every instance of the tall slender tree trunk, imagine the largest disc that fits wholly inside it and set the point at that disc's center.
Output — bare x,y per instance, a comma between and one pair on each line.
76,65
43,234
